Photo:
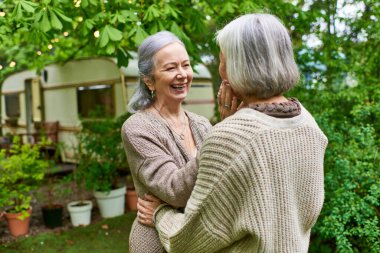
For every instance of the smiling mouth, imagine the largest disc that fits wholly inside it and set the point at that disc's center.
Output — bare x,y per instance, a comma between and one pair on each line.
178,87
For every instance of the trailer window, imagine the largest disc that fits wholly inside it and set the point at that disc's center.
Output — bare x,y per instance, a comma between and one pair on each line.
12,105
96,99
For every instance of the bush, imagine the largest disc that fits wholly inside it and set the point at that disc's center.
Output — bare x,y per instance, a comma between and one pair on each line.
101,153
349,221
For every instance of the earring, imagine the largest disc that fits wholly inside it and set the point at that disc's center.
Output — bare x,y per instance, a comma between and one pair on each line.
152,93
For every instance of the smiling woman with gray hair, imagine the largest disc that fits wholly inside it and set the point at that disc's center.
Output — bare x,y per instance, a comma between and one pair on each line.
260,179
161,139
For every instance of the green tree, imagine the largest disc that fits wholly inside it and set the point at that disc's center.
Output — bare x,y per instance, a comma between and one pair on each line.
340,76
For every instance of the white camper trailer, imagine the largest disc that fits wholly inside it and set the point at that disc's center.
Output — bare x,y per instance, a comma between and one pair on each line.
65,93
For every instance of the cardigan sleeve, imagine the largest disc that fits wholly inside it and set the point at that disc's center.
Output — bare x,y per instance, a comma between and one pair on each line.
209,221
155,167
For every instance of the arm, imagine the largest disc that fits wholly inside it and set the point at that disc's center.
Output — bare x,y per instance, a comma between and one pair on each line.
208,223
154,165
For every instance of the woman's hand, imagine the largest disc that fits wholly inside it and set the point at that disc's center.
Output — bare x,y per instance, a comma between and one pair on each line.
227,101
145,209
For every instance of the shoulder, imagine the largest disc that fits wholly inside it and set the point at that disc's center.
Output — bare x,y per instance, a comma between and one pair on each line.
199,120
140,123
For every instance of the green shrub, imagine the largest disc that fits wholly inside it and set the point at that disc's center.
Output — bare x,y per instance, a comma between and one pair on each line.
101,153
350,218
21,172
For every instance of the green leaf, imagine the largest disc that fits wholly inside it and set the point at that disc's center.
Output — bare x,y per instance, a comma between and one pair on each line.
229,8
94,2
45,23
122,57
17,11
55,23
38,16
151,13
104,37
129,15
84,3
110,49
61,15
176,30
113,33
169,10
89,24
140,35
28,6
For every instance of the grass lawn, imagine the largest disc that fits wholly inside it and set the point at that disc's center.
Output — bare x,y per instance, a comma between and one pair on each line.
106,236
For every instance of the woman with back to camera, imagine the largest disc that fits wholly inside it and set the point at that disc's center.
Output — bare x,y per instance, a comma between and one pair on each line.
161,139
260,178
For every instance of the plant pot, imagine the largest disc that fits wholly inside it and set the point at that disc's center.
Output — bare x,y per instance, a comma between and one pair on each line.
52,215
80,212
131,200
111,204
18,224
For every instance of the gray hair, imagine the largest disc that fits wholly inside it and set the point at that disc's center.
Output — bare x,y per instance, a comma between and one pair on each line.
142,97
259,56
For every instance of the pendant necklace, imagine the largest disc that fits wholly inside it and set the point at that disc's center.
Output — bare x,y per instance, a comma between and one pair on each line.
182,134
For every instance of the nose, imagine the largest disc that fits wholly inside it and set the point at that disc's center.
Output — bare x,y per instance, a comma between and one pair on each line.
181,73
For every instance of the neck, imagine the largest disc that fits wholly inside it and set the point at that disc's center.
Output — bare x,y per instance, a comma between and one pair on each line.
253,100
171,111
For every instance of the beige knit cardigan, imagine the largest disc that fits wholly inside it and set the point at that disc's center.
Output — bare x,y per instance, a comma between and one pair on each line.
259,188
160,165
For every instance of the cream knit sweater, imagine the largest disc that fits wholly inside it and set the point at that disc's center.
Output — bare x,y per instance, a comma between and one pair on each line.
259,188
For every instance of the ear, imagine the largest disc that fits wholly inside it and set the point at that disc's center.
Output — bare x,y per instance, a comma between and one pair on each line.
149,82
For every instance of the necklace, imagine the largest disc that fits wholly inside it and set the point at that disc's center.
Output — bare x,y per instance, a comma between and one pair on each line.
182,133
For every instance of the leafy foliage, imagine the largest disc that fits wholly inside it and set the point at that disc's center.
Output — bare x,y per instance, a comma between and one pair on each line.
340,84
101,153
21,171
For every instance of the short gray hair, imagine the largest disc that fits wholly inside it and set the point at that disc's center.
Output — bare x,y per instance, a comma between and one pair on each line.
142,98
259,56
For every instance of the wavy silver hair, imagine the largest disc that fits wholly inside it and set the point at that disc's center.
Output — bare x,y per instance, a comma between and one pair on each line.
259,56
142,97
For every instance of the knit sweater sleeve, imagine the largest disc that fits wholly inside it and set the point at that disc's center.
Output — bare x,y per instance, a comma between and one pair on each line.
250,194
207,225
153,164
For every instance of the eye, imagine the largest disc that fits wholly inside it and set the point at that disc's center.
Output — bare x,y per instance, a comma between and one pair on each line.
170,68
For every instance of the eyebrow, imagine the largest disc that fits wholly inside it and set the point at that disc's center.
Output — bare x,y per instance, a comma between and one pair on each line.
175,63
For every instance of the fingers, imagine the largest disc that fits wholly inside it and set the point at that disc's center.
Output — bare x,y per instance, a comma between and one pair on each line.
145,219
234,105
241,105
151,198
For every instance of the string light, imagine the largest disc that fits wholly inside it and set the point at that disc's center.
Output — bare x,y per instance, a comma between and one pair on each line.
1,67
65,34
80,19
96,34
2,13
77,3
12,64
50,46
39,53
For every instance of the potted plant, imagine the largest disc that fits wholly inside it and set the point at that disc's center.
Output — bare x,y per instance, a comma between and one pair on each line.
131,195
80,209
52,209
21,172
102,157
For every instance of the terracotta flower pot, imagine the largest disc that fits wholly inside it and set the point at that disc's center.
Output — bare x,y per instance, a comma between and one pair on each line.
17,224
131,200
